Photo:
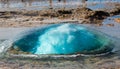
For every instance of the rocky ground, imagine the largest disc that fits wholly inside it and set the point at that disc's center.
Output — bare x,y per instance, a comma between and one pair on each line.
73,63
26,18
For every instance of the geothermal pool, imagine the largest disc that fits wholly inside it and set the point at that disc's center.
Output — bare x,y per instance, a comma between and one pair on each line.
63,39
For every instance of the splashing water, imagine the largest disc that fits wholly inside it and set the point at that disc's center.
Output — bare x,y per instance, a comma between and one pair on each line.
64,39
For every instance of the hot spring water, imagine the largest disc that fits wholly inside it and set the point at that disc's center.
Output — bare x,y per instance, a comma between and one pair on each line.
64,39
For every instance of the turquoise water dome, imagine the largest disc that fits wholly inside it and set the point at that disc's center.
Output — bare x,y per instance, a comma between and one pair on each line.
64,39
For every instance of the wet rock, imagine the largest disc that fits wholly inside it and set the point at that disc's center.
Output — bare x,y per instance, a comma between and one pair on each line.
82,13
93,16
100,15
64,11
49,13
115,11
65,14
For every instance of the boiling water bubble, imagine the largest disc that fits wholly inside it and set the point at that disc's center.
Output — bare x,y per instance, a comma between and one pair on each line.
64,39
